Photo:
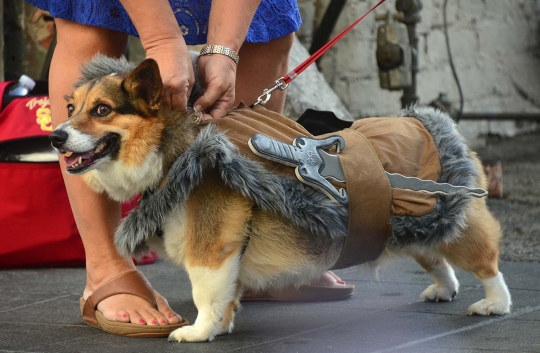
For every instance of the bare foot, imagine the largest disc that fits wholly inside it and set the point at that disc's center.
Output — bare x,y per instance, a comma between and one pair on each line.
124,307
328,279
327,287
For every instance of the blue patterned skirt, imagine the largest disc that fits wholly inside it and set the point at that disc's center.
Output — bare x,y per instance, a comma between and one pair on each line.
273,19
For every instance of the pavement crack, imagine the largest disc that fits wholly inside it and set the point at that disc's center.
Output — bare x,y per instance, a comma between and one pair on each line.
35,303
57,343
46,324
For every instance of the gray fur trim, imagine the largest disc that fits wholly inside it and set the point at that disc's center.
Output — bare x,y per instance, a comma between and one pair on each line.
313,211
102,65
305,208
445,222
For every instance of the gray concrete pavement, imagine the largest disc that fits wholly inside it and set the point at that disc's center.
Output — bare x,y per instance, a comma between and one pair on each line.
519,209
39,311
39,307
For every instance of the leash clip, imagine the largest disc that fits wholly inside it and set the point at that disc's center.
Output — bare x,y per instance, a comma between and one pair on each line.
267,92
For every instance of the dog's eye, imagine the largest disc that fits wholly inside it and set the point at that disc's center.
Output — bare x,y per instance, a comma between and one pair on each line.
103,110
70,109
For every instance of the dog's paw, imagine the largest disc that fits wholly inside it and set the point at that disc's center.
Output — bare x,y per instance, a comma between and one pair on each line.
487,307
190,334
227,330
436,293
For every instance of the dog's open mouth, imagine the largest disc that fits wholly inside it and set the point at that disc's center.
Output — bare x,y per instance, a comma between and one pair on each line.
79,162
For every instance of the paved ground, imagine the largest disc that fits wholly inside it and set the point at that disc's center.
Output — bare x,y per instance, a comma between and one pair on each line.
39,308
519,209
39,311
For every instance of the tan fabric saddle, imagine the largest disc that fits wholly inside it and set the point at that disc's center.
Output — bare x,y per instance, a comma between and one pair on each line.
372,146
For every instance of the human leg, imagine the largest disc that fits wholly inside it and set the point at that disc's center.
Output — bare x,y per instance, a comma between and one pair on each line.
96,215
261,64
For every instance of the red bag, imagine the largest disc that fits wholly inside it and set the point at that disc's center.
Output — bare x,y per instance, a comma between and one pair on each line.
36,224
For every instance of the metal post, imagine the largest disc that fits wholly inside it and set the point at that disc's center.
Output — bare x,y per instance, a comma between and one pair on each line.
502,116
411,16
323,33
15,44
26,39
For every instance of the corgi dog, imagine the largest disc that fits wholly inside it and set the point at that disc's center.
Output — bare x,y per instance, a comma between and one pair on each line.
234,223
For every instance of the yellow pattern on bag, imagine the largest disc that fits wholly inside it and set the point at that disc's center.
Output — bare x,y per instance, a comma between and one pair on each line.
43,113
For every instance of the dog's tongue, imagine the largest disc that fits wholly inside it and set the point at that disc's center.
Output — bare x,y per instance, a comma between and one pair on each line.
71,160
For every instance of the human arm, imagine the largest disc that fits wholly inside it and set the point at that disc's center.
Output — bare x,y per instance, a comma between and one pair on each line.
228,26
161,38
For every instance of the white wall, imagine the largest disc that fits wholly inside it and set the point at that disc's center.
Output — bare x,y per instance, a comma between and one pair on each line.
496,49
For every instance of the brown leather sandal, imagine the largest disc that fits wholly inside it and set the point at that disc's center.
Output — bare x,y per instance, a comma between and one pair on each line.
304,293
133,283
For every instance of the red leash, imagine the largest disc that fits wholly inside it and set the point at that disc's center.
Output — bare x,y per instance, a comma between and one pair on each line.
283,82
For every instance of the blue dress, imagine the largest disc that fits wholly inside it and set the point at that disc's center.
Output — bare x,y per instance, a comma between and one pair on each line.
273,19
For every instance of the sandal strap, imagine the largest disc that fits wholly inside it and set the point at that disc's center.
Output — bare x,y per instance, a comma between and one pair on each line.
131,282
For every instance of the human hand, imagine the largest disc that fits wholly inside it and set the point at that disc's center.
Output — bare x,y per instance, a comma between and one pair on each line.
217,74
176,70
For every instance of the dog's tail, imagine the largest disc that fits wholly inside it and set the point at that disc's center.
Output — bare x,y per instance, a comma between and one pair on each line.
458,168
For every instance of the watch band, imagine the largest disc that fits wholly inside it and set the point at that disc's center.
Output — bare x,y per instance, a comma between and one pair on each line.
220,49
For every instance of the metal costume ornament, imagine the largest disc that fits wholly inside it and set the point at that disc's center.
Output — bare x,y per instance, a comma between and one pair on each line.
314,166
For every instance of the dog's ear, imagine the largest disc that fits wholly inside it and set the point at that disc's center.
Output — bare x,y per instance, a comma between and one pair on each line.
144,86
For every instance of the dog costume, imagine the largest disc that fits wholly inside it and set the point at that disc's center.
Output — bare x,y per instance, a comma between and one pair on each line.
423,143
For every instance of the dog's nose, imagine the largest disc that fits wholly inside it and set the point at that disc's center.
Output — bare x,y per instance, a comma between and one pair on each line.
58,138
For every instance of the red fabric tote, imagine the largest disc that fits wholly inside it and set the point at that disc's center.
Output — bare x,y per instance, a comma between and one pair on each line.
36,224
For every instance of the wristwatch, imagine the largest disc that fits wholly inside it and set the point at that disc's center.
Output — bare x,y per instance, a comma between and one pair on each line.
220,49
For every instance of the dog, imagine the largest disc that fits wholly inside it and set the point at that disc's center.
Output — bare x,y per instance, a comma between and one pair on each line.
234,224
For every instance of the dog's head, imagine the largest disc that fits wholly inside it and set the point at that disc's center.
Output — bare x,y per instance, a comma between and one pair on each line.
113,116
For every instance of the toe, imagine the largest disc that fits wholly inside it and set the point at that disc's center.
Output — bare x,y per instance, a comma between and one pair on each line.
122,316
149,317
116,315
136,317
172,317
164,308
329,279
336,277
160,318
